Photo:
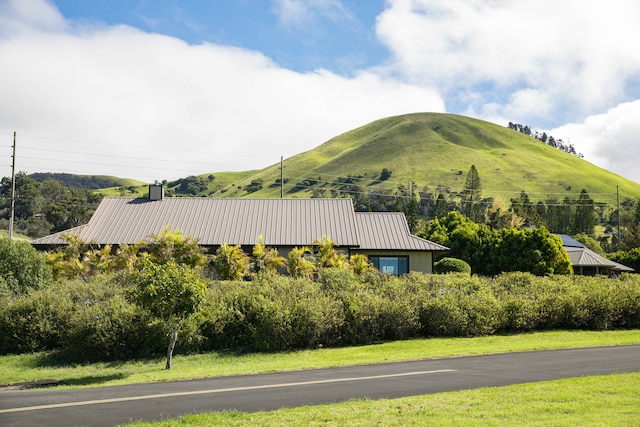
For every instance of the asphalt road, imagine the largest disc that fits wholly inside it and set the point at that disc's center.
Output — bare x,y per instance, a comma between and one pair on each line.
108,406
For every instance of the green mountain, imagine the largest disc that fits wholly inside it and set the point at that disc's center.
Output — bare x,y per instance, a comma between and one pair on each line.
432,149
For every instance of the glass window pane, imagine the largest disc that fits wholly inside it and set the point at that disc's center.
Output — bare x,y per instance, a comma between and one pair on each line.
389,265
395,265
403,265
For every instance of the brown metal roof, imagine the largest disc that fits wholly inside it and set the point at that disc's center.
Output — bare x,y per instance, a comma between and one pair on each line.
281,222
56,239
390,231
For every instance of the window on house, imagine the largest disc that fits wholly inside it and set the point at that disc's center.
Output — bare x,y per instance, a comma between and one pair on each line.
395,265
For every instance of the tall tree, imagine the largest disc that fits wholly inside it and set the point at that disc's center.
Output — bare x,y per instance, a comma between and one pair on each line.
440,209
499,216
584,217
471,195
171,292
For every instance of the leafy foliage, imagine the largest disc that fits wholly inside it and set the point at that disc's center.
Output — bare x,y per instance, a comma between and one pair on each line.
174,246
360,264
266,260
85,321
327,256
171,292
630,258
47,206
451,265
96,320
254,186
68,261
490,252
191,185
22,267
230,262
298,263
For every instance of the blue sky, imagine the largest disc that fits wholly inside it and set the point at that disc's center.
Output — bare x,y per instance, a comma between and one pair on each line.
162,89
339,39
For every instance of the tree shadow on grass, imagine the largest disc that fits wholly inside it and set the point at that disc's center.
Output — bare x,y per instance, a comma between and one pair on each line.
58,360
91,380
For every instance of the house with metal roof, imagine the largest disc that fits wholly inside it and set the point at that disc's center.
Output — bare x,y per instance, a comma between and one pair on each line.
283,223
589,263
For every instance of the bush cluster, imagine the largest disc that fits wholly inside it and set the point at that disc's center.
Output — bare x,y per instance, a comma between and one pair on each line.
451,265
93,321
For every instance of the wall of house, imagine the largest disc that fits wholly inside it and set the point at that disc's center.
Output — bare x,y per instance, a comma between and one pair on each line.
421,262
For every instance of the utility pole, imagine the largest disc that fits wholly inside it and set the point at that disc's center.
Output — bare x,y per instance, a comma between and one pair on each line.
618,202
281,178
13,187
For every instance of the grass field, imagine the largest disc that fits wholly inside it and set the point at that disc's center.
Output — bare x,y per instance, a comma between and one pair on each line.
592,401
24,368
612,400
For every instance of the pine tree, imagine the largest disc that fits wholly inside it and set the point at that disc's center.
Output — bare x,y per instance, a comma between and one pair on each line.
584,218
471,194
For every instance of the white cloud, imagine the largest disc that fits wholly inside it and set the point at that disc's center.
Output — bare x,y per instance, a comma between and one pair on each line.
575,56
609,140
100,101
298,13
18,16
116,100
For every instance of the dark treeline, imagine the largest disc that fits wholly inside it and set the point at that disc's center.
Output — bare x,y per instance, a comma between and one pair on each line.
577,216
544,137
90,182
45,207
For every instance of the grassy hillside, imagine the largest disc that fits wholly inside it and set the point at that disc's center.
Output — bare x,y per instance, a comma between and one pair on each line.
91,182
428,149
432,149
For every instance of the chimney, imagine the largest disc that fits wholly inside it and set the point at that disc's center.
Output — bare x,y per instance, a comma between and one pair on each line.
156,191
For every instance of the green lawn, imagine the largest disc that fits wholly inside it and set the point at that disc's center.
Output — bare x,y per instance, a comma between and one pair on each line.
591,401
611,400
20,368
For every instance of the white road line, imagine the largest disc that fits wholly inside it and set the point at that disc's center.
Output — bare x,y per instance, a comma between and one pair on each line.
221,390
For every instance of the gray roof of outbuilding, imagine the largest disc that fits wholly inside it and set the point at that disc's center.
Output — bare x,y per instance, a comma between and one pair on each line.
585,257
390,231
281,222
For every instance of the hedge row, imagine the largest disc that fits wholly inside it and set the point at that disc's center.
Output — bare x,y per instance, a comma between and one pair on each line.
93,321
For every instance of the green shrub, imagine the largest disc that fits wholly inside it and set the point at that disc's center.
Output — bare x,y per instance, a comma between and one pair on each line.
459,306
376,307
86,321
105,327
92,321
567,302
451,265
22,267
35,321
270,314
629,258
